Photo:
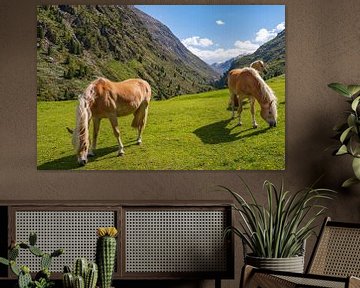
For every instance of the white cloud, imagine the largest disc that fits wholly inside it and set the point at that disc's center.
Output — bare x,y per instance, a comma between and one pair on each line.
264,35
246,46
219,22
197,41
220,54
280,26
211,52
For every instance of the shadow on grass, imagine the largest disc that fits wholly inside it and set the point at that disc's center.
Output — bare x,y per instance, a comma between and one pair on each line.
70,162
218,132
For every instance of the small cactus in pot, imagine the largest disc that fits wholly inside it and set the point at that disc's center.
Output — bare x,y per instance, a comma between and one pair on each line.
106,254
85,275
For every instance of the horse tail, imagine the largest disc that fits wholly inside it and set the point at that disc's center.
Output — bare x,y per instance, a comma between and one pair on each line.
83,116
140,115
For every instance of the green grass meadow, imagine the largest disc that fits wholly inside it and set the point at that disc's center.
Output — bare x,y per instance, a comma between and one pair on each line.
189,132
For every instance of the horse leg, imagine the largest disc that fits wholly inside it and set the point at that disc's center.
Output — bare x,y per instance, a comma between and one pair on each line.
114,124
252,109
96,123
232,101
139,121
240,109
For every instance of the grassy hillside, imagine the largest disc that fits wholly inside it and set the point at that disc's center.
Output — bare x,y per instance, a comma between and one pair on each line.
191,132
76,43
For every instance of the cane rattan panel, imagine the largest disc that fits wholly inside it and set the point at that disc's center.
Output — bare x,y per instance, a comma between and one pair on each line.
338,253
75,231
172,241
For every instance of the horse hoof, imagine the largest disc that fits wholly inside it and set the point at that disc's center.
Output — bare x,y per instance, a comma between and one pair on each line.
255,126
121,153
138,142
82,163
240,124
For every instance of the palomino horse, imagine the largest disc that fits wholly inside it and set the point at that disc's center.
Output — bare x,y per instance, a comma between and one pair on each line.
247,83
257,65
106,99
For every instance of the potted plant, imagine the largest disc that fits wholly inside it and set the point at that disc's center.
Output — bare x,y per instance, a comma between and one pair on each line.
349,131
276,233
42,278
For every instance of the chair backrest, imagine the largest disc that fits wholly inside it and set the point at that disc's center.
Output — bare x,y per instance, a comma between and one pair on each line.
337,251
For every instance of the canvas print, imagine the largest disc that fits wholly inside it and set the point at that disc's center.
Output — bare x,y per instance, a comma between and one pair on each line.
161,87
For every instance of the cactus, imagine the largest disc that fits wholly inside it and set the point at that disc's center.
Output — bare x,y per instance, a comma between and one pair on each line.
68,280
87,272
32,238
36,251
43,274
105,255
24,277
91,276
14,268
79,282
80,267
23,273
67,269
13,253
45,261
4,261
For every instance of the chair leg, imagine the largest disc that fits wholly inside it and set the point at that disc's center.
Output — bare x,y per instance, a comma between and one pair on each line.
217,283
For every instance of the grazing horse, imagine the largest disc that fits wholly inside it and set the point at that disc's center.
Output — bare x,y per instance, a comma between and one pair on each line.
247,83
258,65
106,99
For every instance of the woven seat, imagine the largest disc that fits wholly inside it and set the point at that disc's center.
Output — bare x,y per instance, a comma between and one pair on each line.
335,262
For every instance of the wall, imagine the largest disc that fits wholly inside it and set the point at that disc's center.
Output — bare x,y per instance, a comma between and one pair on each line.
323,41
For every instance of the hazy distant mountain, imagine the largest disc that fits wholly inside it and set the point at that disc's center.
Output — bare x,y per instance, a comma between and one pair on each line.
77,43
272,53
222,67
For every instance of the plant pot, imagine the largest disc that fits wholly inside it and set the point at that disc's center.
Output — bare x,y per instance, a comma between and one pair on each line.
291,264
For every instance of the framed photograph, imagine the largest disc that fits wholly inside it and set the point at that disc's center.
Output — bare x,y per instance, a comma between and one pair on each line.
161,87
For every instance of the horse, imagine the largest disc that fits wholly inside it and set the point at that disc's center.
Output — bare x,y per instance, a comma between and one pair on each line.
106,99
247,83
259,66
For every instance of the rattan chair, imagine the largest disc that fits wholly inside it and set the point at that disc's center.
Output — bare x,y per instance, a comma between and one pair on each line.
334,263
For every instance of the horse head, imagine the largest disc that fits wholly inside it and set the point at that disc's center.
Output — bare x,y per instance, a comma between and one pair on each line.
80,147
269,113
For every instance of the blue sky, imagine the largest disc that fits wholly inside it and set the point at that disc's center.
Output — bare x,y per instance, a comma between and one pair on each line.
217,33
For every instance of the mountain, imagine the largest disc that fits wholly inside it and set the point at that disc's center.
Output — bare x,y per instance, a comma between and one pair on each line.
223,67
77,43
272,53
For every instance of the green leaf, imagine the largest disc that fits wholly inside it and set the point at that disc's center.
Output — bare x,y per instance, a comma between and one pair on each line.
345,134
354,145
342,150
356,167
349,182
341,89
355,103
353,89
4,261
351,120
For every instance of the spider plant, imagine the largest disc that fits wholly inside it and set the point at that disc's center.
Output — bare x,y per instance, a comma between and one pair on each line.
280,229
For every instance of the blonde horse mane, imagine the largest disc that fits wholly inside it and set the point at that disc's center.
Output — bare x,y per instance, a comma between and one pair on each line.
83,116
267,94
